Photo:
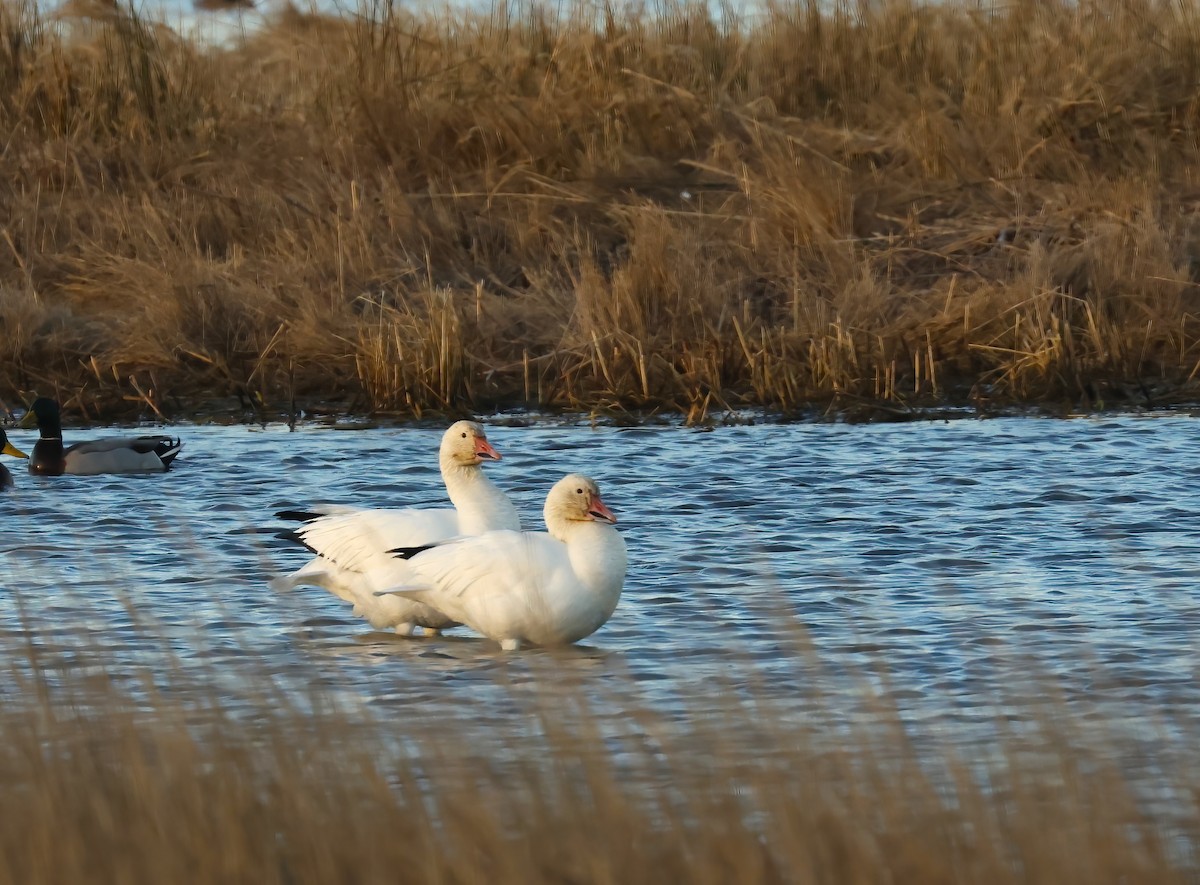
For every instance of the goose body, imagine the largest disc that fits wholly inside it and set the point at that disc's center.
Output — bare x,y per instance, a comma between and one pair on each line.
540,588
134,454
352,547
7,448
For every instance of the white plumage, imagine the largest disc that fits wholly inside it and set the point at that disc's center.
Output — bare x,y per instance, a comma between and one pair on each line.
529,587
352,546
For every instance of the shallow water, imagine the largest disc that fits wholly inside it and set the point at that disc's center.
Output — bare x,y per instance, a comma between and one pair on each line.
953,571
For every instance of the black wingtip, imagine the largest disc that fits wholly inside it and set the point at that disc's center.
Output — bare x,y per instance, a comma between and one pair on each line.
296,538
410,552
298,515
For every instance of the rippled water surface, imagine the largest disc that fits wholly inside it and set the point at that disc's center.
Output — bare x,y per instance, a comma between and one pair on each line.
948,567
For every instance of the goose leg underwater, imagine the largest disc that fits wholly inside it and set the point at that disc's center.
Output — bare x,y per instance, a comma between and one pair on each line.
134,454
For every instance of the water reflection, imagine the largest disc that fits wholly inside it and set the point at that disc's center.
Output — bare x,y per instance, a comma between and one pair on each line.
942,562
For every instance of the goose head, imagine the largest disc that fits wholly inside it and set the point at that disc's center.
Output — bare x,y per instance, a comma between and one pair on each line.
465,444
574,500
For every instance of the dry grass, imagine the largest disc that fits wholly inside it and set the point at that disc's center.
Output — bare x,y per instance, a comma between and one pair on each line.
830,204
159,782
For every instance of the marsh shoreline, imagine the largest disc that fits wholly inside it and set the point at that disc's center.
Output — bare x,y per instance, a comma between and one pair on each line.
349,415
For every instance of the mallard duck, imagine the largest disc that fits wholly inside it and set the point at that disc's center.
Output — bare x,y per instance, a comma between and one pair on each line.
541,588
7,448
352,546
130,454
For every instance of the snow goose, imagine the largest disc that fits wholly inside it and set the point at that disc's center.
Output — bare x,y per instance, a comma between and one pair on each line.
7,448
542,588
352,546
132,454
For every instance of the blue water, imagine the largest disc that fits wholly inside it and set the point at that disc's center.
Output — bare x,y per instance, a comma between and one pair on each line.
960,574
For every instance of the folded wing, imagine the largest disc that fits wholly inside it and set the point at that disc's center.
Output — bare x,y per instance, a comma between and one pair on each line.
356,540
498,581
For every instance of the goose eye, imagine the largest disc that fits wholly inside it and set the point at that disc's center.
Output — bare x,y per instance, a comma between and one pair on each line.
579,491
464,436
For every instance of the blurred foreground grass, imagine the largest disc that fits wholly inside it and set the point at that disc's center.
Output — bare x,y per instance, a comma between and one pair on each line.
145,778
602,208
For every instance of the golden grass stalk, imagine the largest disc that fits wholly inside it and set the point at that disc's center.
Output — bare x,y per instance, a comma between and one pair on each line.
825,203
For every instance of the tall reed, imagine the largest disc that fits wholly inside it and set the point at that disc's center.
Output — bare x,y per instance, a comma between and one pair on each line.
819,204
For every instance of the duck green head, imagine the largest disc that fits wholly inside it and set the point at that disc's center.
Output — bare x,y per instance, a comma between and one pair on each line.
43,414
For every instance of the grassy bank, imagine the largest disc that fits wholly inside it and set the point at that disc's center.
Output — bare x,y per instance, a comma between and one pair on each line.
885,202
147,780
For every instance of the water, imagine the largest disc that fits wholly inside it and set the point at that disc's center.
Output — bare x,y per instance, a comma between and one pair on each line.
228,27
958,571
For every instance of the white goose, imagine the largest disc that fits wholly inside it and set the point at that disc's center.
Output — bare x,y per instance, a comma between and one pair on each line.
529,587
351,546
